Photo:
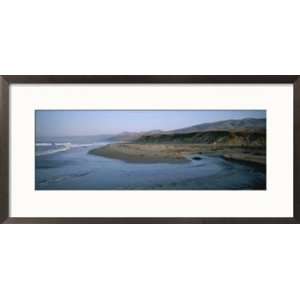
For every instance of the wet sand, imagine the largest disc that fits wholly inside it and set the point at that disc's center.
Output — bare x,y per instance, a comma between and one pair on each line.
178,153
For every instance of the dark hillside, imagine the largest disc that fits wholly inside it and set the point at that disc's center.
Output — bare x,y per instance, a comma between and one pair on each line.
209,137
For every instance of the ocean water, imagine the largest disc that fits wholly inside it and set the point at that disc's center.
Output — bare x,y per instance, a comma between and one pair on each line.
68,166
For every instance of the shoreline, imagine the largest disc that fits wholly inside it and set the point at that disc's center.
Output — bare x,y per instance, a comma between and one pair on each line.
133,153
177,153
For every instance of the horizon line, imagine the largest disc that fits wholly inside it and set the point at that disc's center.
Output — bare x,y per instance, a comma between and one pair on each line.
155,129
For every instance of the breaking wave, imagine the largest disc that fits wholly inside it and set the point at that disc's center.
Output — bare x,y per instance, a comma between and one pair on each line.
52,148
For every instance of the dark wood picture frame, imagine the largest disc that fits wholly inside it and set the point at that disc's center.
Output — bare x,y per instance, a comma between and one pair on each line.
5,82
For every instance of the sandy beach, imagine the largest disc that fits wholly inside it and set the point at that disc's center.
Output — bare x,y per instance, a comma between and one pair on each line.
178,153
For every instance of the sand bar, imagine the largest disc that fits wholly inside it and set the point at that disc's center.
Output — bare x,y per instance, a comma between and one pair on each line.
177,153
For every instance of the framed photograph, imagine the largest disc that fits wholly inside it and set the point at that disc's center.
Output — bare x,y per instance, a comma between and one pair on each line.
150,149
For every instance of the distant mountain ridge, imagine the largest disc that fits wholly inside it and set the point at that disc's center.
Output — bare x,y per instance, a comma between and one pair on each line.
127,136
244,132
234,125
248,124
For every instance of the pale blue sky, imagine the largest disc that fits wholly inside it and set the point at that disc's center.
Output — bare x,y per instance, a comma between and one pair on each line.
84,122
